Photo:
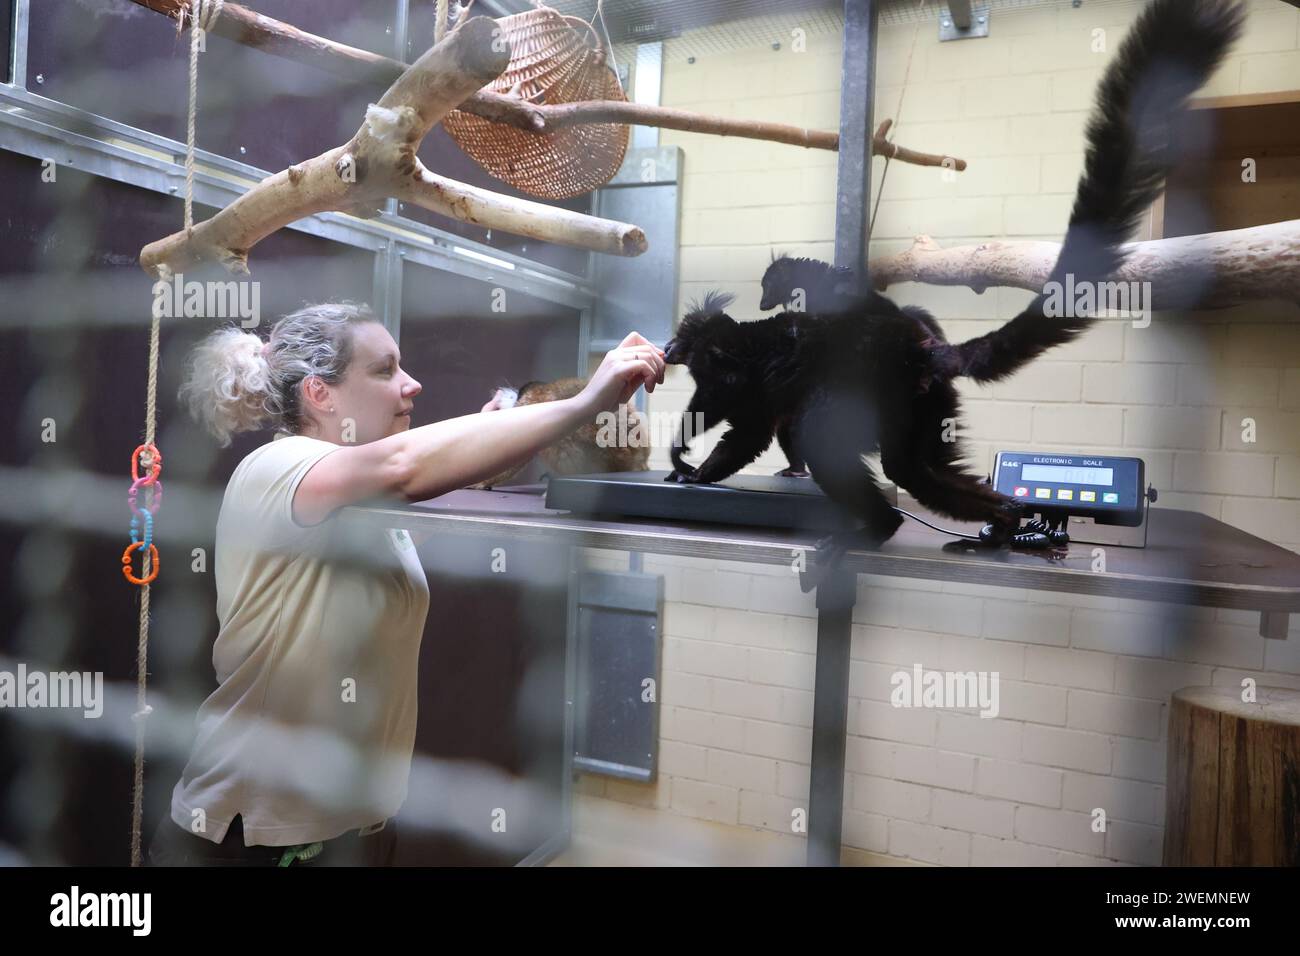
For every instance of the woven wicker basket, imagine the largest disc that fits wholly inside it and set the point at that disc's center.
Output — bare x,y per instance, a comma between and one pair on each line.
553,59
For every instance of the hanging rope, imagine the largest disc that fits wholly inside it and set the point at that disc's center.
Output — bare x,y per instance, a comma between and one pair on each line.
898,116
600,15
203,15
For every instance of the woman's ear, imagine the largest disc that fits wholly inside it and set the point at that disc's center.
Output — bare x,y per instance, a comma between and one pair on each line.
315,393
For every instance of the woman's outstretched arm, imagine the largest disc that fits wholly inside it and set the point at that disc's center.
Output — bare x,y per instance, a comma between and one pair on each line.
434,459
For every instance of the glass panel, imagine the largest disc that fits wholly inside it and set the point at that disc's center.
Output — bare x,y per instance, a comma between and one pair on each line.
126,62
460,349
74,350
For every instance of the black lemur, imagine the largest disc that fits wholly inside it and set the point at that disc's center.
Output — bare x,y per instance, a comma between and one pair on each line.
849,381
816,287
820,287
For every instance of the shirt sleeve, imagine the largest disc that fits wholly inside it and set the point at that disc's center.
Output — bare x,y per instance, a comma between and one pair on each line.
262,494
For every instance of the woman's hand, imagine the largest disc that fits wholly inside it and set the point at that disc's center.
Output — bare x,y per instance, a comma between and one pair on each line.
634,363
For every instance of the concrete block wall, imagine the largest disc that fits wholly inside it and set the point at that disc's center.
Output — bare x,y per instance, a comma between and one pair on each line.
1085,682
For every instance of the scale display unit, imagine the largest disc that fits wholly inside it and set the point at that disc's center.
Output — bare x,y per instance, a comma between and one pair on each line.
1096,499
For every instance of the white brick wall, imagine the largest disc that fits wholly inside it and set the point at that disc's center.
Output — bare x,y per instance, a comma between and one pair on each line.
1085,681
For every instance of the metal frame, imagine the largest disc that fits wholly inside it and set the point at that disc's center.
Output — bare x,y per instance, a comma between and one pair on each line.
18,43
647,82
959,22
836,595
33,125
559,842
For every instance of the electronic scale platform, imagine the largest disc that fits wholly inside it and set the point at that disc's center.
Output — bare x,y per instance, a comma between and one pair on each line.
1096,499
763,501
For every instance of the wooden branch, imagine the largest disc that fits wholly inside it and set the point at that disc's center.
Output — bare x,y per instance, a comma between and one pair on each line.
520,216
249,28
241,25
380,161
1211,271
880,146
663,117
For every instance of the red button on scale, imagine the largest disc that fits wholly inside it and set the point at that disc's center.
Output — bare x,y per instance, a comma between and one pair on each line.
1021,492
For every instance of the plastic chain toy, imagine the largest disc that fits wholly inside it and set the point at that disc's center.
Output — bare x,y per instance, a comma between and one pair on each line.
152,502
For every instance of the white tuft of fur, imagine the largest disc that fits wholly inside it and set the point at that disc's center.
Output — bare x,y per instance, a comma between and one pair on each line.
390,125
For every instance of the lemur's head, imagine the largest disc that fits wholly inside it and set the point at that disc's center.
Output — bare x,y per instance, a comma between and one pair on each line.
779,282
707,341
793,282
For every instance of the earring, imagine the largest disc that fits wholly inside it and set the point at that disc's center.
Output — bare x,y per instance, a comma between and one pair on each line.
331,408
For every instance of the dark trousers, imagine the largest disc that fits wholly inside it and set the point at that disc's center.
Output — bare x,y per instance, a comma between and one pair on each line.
173,845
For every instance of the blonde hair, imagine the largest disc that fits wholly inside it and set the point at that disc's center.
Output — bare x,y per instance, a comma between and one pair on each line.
235,382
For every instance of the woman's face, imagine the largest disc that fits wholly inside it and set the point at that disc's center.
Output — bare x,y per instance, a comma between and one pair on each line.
375,396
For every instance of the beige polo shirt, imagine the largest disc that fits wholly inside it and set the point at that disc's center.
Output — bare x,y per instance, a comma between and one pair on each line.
312,727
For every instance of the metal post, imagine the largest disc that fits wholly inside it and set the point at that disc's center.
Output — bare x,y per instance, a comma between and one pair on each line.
857,93
401,28
18,44
960,12
837,593
647,79
835,599
386,301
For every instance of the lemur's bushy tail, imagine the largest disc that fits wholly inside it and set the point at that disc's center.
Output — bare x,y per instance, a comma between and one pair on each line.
1171,50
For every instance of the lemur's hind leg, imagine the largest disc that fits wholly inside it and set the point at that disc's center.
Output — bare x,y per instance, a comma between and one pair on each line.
945,489
796,468
834,433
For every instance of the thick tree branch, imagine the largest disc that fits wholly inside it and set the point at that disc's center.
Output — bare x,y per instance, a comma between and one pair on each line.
519,216
380,161
881,146
1211,271
241,25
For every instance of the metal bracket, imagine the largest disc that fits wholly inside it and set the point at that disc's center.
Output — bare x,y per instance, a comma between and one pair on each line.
960,22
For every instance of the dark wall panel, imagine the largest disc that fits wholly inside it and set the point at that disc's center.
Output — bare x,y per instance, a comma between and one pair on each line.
74,347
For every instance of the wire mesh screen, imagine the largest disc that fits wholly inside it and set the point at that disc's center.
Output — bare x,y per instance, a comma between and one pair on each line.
716,26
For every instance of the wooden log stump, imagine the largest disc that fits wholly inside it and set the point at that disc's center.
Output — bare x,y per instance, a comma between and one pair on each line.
1233,781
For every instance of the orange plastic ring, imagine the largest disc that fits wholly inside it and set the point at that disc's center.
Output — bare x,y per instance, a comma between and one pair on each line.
135,463
126,563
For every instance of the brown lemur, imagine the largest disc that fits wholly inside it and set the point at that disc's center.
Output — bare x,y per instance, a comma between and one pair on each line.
595,448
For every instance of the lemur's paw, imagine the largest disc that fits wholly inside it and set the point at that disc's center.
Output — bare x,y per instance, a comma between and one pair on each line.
681,477
792,472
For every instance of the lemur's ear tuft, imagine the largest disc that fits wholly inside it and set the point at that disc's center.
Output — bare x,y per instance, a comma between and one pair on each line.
713,303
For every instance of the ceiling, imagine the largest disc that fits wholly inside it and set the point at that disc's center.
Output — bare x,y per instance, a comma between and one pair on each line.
649,20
